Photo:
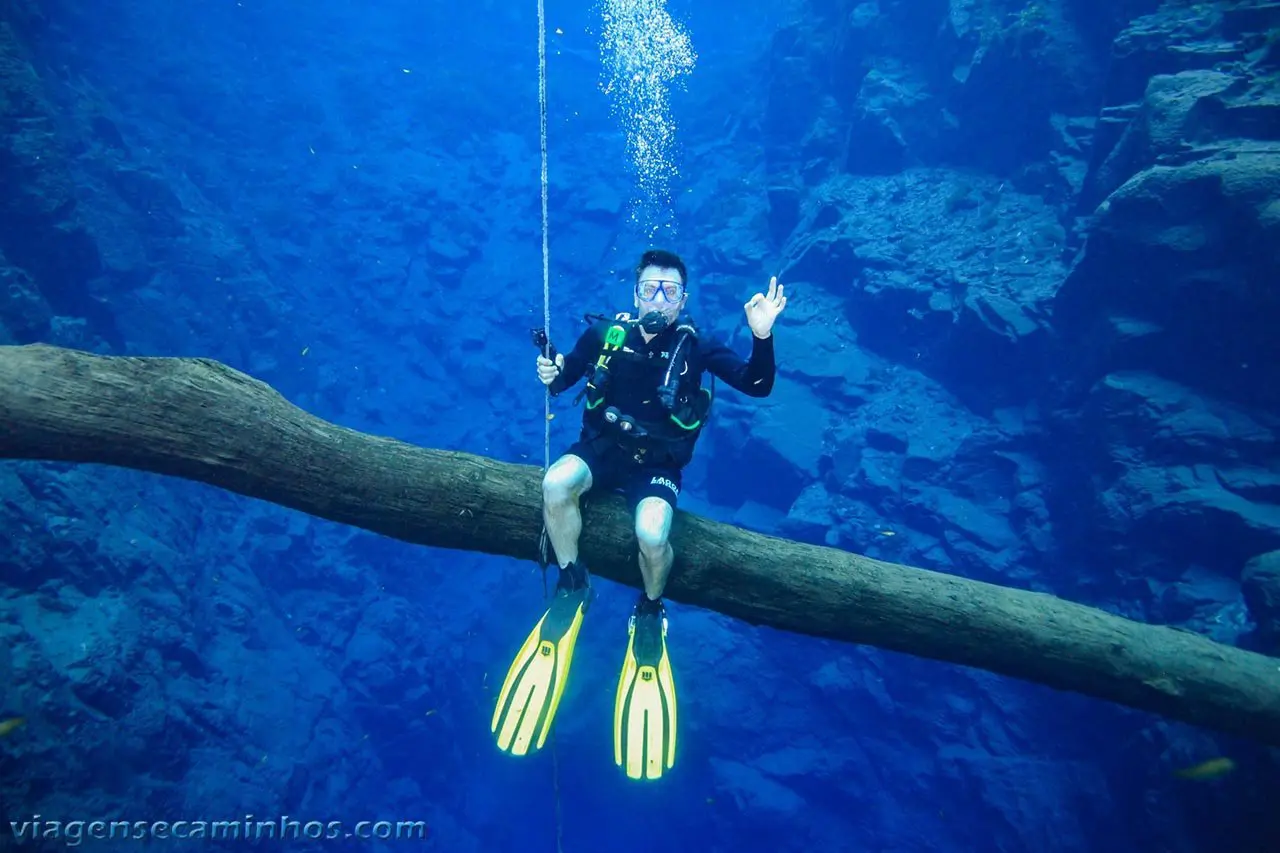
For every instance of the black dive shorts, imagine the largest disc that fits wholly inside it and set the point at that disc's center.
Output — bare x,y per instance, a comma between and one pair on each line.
616,469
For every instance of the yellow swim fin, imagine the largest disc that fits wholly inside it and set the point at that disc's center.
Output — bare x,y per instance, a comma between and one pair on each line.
534,684
644,713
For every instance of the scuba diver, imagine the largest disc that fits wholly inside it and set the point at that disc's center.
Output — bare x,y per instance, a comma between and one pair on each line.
645,408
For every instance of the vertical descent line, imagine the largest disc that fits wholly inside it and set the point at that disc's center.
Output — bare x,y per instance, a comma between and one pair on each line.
546,328
546,264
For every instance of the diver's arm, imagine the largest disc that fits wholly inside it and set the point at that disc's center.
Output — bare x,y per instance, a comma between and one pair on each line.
753,377
575,362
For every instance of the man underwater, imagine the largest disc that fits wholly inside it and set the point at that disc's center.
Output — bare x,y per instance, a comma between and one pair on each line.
645,408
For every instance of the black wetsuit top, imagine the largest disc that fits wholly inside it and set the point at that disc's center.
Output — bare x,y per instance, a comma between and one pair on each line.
634,378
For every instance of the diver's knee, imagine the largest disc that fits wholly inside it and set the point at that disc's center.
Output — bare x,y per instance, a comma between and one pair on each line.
653,523
565,480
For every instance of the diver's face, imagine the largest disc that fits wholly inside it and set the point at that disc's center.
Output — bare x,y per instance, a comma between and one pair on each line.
660,289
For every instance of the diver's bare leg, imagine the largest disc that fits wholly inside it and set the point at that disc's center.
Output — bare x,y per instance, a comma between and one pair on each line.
567,480
653,530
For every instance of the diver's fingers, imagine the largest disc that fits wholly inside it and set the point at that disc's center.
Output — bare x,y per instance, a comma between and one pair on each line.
773,287
547,371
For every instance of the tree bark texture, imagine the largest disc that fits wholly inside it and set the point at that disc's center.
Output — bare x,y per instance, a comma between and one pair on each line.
201,420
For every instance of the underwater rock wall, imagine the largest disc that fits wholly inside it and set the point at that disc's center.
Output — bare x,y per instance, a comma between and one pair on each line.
47,257
1169,312
174,650
1003,374
1093,295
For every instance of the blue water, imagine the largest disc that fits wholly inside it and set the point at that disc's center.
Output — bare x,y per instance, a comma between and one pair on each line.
978,374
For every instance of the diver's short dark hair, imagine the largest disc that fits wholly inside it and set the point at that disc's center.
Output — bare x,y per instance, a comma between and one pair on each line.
662,258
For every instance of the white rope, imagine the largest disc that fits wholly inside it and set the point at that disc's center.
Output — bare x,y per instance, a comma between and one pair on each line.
546,328
546,263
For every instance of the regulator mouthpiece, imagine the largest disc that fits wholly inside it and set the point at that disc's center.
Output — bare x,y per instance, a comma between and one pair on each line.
654,322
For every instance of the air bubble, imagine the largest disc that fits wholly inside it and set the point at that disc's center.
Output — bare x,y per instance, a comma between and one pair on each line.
644,52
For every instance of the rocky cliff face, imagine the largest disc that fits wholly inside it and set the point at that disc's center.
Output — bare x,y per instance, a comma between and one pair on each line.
1065,224
1170,308
48,259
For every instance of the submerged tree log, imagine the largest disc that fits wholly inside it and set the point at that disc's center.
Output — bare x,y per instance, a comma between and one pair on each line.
203,421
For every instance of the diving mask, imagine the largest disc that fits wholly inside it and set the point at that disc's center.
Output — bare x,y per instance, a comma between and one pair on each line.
653,293
659,290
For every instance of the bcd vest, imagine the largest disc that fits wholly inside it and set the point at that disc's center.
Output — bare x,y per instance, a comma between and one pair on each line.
685,402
